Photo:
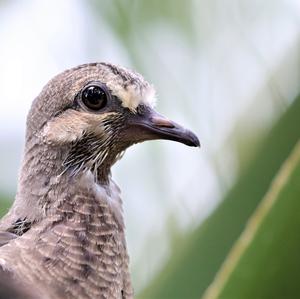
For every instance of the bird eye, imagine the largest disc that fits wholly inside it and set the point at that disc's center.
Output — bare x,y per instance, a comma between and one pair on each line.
94,97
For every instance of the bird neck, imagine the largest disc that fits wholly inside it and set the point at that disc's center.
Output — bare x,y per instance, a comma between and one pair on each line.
95,154
39,175
43,180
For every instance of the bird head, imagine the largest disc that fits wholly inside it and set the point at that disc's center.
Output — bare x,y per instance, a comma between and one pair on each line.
96,111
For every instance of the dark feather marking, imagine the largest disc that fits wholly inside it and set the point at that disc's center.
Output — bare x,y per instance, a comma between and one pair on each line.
20,227
88,257
47,260
86,270
81,237
73,280
97,152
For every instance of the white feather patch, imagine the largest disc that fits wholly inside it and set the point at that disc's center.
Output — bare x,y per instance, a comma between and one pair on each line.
133,96
132,91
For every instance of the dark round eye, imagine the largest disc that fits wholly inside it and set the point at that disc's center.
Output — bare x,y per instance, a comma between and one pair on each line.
94,97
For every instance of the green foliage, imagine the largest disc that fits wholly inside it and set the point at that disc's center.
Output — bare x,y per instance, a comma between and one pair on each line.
128,16
5,203
192,269
130,20
264,262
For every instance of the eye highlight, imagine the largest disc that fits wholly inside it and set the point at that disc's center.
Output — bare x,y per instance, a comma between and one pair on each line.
94,97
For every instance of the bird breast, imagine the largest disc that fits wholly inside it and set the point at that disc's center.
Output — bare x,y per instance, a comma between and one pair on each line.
79,250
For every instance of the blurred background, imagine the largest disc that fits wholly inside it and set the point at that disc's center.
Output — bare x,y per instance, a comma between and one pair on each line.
230,71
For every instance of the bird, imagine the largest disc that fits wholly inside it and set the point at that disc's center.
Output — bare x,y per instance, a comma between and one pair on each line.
64,235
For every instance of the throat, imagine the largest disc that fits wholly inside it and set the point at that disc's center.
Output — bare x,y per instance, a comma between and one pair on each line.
102,172
100,168
95,155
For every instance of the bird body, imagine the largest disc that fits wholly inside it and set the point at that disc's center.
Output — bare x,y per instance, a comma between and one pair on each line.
81,242
64,236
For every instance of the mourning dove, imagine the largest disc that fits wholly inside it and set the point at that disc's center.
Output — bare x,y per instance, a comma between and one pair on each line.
64,234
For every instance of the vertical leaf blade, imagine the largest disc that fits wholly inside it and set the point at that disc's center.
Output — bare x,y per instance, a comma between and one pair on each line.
264,263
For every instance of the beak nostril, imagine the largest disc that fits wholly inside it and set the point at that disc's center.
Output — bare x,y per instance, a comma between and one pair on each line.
162,122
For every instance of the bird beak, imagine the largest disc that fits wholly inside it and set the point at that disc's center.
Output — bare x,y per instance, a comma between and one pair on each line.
150,125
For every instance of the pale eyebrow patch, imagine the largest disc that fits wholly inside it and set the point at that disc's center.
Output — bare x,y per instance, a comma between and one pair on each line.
130,87
132,96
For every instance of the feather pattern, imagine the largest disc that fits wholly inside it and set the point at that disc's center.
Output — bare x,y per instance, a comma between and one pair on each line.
81,242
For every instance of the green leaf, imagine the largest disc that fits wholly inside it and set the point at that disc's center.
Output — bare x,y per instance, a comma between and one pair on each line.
264,263
194,264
